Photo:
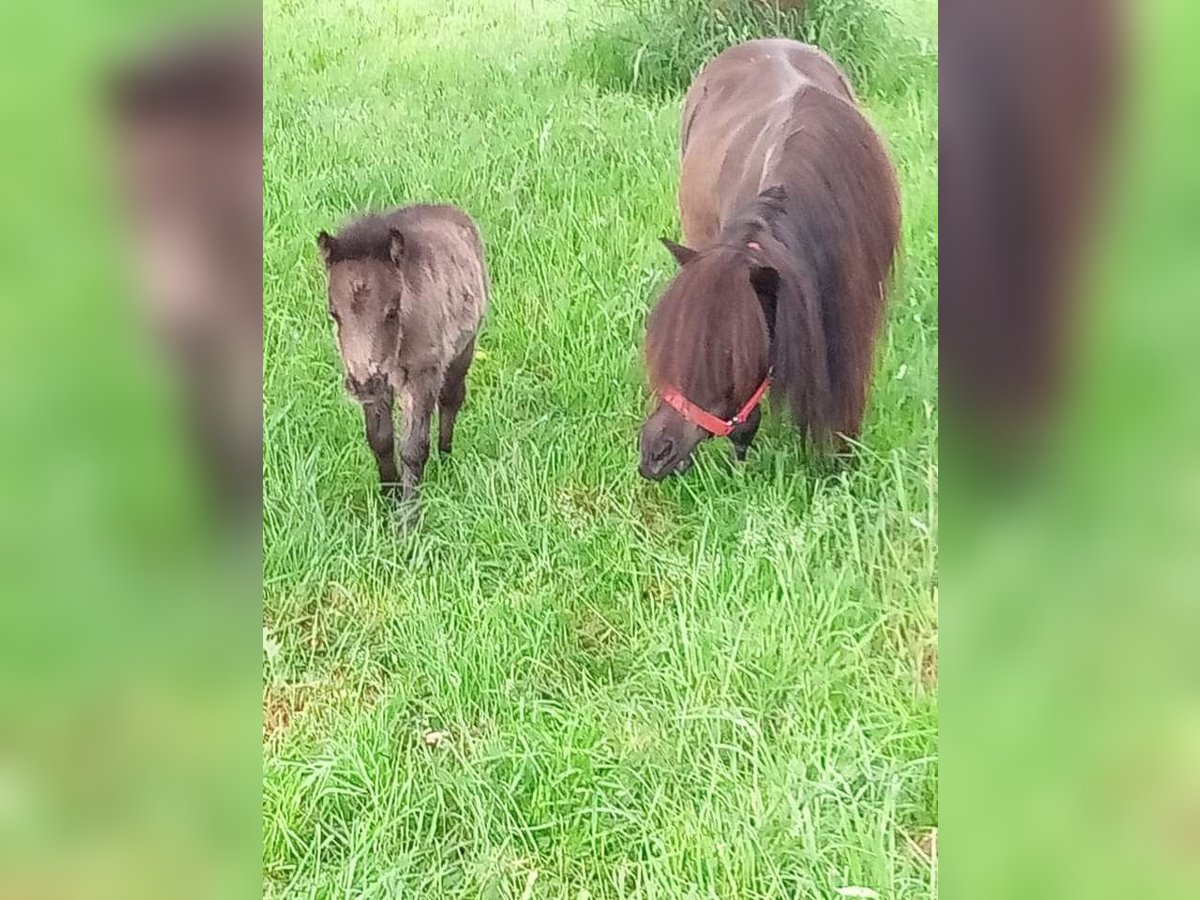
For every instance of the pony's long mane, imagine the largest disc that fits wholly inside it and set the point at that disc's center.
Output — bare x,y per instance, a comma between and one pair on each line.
828,225
370,235
838,223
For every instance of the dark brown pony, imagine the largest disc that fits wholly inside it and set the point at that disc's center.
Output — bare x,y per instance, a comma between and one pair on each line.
791,205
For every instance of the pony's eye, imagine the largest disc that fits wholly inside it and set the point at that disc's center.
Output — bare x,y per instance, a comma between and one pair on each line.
333,314
392,314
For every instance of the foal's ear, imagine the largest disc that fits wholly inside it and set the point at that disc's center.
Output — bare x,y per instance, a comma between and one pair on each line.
681,253
396,245
327,247
765,281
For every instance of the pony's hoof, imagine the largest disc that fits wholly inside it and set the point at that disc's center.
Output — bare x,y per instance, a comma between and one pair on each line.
406,517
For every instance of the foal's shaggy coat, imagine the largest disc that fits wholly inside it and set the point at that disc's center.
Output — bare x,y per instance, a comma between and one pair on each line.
791,206
407,290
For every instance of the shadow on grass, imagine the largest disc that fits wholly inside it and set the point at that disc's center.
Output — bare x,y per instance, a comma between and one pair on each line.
655,47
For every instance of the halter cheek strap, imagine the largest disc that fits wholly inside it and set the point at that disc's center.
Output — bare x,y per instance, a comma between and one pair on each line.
702,418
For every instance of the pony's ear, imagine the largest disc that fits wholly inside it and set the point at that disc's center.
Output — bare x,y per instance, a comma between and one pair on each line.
681,253
765,281
327,246
396,245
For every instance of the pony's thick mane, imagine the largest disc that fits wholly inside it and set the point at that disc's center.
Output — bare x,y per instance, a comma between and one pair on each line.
828,225
840,224
369,237
707,336
365,238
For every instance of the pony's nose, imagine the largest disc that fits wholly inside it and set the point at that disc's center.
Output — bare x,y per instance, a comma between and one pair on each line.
655,465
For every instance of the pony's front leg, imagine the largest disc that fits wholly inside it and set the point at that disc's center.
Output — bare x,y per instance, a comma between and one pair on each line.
420,397
377,415
743,436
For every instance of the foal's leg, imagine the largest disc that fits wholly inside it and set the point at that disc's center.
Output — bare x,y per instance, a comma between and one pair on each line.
420,396
743,436
450,400
381,436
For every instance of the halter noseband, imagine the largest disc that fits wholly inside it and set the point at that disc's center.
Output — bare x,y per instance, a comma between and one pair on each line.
702,418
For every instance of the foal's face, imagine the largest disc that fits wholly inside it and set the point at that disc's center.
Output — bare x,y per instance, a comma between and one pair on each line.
365,297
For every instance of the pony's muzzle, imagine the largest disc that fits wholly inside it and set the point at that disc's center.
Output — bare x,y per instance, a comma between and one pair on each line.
658,460
666,442
659,471
662,460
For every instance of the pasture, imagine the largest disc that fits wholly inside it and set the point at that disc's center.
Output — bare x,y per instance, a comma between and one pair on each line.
569,682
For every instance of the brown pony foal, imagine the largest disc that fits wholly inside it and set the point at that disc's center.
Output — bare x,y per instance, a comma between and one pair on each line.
407,290
792,212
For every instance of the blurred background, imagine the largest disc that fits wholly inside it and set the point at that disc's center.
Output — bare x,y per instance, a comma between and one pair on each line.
1069,281
130,329
129,414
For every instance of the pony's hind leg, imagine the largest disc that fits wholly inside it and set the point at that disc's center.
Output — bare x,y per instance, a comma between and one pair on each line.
743,436
452,397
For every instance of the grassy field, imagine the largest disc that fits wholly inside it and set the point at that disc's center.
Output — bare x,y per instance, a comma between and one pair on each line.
569,682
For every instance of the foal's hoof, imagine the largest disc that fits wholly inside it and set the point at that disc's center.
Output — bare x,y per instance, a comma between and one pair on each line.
407,512
407,517
403,510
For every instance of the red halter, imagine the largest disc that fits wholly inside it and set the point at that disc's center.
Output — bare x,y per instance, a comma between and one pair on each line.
702,418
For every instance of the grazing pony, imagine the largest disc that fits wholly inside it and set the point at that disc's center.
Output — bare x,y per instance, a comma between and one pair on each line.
791,210
407,291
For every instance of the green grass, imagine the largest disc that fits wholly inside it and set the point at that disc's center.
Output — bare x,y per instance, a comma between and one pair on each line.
710,687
